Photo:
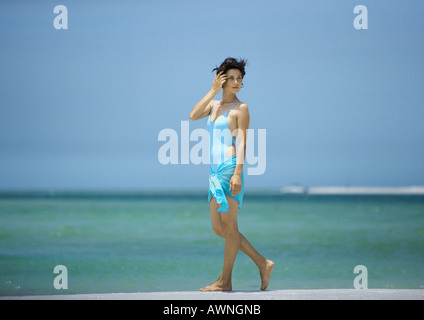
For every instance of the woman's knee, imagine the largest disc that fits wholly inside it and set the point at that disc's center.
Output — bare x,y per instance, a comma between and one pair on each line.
225,230
230,230
218,230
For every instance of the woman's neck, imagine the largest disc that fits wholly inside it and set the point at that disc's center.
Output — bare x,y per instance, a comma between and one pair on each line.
228,97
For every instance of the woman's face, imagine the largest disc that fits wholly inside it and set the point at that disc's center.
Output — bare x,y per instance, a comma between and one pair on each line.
234,80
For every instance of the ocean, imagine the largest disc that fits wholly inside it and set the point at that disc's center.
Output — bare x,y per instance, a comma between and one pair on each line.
163,241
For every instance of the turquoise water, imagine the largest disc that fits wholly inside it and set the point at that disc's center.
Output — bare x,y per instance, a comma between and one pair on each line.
131,243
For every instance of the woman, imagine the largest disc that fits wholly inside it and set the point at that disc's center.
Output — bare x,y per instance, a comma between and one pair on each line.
228,122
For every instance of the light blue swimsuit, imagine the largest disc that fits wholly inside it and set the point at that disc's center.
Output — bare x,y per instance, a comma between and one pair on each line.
222,166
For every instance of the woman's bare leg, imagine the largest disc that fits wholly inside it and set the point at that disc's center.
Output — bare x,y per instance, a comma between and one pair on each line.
232,246
225,225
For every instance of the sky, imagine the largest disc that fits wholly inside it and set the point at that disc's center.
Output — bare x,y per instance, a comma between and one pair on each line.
82,107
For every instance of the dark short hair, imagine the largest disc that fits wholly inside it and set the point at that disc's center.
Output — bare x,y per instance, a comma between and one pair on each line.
232,63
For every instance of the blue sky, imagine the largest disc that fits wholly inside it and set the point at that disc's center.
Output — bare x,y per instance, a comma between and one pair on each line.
82,108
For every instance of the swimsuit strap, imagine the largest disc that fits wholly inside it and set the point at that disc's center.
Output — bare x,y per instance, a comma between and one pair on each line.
231,107
210,113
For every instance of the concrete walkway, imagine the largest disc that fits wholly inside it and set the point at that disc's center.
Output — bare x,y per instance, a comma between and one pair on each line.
319,294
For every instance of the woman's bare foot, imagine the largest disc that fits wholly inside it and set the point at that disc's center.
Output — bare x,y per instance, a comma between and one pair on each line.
266,273
218,285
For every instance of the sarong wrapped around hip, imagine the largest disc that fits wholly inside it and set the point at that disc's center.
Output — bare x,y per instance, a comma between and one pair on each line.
219,184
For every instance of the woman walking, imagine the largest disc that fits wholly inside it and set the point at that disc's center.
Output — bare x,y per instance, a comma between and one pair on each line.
228,121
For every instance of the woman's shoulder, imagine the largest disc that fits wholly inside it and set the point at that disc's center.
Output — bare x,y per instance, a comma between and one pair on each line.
241,111
242,106
211,105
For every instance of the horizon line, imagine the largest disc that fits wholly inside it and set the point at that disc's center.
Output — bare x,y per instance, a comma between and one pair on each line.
172,192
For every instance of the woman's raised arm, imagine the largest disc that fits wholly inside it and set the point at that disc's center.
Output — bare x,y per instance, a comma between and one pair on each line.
204,106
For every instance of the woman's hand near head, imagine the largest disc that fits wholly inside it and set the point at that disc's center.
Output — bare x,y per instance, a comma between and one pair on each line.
204,106
219,81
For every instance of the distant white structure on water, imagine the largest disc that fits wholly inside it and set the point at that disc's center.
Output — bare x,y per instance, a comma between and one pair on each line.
412,190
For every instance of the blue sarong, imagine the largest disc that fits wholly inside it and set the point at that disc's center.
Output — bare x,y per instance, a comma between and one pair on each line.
219,184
